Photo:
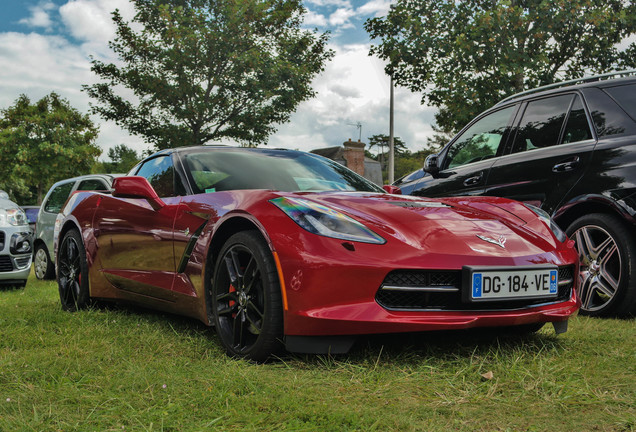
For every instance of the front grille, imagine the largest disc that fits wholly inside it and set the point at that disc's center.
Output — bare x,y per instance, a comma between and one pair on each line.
442,290
5,263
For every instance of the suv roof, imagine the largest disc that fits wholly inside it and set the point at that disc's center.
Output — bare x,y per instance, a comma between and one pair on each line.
592,81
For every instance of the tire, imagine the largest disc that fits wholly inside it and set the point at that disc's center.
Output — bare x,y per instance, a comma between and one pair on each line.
607,251
72,277
246,298
42,264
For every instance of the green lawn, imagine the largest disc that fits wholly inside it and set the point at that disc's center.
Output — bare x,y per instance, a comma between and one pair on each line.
128,369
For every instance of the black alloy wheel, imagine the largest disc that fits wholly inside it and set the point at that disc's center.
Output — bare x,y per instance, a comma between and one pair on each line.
73,272
607,253
246,298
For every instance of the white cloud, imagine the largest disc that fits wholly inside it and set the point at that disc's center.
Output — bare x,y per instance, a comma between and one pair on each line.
36,65
39,16
90,21
314,19
337,3
375,7
354,88
341,18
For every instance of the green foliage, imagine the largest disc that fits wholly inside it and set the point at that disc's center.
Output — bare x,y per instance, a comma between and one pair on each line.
128,369
465,56
381,141
209,69
408,162
44,142
122,159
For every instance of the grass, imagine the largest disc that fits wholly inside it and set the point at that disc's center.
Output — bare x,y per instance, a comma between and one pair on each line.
115,369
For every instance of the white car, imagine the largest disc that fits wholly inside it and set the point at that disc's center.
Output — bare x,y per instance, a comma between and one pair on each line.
16,244
44,260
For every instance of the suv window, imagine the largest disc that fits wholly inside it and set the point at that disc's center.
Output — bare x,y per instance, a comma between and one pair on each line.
608,117
626,98
541,123
159,172
92,185
577,128
479,141
58,197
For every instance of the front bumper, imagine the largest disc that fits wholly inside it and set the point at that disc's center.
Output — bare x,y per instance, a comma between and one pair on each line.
14,267
331,290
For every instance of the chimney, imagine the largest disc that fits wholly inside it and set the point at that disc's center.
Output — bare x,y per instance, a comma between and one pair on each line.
354,156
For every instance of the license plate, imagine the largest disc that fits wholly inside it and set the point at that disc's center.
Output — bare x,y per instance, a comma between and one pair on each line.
512,283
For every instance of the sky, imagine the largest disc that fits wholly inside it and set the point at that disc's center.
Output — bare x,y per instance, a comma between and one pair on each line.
46,45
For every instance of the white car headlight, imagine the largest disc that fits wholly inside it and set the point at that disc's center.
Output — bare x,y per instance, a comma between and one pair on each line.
13,216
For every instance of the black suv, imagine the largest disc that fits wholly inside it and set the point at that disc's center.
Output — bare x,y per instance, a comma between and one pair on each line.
571,150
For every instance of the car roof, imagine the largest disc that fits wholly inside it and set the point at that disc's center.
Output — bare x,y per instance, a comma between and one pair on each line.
606,80
211,147
107,177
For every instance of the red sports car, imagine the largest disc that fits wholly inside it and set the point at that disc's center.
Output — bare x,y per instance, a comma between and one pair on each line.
281,247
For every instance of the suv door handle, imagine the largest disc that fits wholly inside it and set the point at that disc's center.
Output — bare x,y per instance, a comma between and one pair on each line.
471,181
568,165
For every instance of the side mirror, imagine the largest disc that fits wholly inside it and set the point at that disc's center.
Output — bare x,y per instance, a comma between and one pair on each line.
431,165
392,189
136,187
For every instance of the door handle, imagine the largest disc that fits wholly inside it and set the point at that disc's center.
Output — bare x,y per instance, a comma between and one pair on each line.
471,181
568,165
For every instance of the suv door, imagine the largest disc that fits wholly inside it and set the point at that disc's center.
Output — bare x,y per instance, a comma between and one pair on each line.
551,147
465,163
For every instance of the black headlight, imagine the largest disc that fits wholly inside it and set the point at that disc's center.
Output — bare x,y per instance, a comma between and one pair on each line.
21,243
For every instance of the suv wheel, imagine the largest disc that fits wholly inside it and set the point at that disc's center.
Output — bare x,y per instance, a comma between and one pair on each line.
42,264
607,251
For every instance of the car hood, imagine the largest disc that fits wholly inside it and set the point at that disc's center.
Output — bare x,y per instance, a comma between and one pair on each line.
460,226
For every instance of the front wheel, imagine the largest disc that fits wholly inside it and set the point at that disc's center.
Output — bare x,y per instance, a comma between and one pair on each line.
246,298
607,252
73,272
42,264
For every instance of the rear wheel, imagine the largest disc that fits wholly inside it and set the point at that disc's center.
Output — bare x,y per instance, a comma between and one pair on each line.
246,298
607,252
73,272
42,264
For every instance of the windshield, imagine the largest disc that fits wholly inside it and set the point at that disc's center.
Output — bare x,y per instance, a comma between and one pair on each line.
217,170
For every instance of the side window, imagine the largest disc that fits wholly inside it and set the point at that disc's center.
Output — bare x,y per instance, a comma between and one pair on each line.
577,127
541,123
159,172
607,116
92,185
58,198
626,98
480,141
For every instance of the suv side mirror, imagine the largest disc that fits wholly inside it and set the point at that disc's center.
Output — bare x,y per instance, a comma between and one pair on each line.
431,165
136,187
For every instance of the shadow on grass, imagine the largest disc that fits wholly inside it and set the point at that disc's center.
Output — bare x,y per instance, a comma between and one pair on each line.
402,347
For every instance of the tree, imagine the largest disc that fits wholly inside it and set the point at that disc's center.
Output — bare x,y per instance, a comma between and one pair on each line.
465,56
380,141
122,159
209,69
45,142
408,162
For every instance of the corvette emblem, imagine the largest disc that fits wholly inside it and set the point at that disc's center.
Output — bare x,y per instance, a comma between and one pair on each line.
501,241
